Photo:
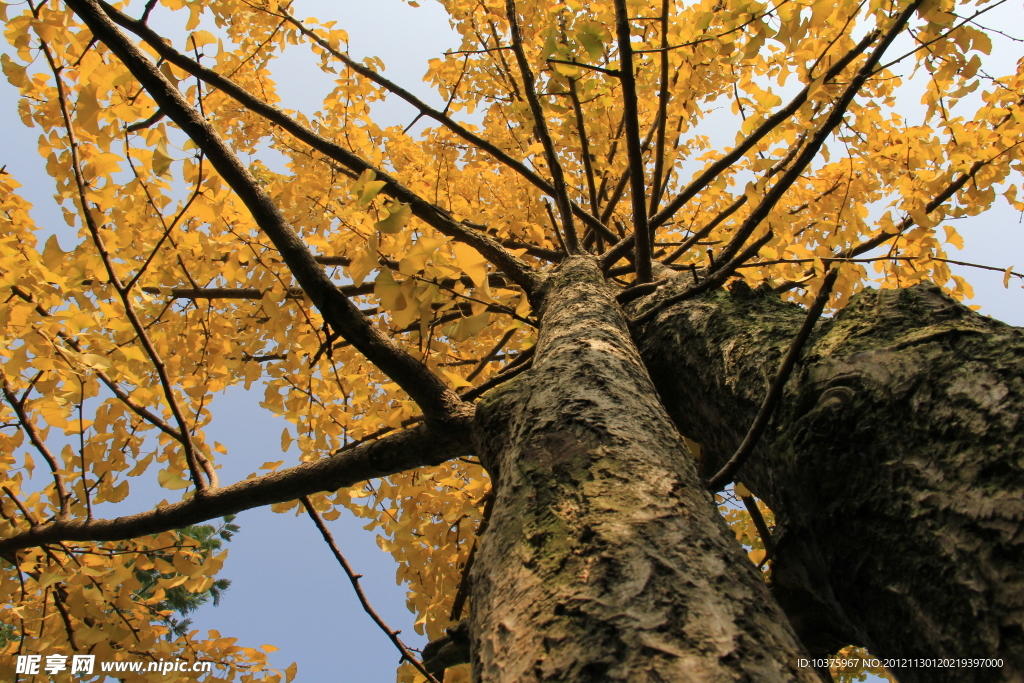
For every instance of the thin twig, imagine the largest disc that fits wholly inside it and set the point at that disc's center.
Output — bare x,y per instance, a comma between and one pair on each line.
490,355
175,106
354,579
806,156
585,156
638,290
609,72
663,98
976,265
521,364
750,441
441,117
425,388
114,387
93,228
463,593
940,36
28,515
37,441
769,124
715,280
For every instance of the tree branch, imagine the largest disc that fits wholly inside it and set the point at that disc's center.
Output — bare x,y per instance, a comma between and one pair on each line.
769,124
429,391
540,127
714,281
114,387
490,355
420,446
354,580
37,441
436,217
835,117
638,194
192,455
442,118
664,95
728,471
581,131
750,503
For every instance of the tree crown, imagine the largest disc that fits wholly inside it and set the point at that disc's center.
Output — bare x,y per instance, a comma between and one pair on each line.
375,282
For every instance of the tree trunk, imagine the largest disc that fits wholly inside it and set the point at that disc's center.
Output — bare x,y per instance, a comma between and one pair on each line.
894,464
604,558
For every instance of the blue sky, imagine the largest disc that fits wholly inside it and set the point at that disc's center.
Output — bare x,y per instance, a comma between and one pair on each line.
287,589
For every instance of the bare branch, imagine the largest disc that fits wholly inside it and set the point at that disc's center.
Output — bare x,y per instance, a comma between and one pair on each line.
354,580
1013,273
728,471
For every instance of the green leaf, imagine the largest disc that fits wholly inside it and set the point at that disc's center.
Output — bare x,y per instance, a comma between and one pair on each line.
592,36
397,219
366,188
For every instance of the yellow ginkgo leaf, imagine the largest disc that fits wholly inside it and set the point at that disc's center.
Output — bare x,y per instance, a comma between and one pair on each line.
398,218
161,159
171,480
471,262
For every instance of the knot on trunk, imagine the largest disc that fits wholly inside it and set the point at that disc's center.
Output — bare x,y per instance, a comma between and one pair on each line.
447,651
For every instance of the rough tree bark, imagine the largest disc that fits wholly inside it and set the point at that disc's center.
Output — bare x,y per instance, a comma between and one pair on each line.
604,558
894,464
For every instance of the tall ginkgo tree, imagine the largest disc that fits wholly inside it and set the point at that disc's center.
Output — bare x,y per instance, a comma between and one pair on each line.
531,341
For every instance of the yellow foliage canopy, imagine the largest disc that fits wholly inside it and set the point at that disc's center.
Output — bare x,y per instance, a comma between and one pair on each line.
376,278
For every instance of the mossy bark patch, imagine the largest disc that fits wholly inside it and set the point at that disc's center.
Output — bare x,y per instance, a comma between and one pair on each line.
604,558
894,464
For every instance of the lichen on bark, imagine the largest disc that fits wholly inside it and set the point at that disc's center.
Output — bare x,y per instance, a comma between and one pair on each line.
605,558
894,464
